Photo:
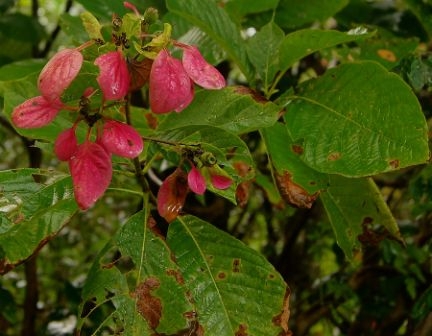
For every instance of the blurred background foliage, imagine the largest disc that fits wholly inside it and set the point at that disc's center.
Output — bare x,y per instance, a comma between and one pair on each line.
386,290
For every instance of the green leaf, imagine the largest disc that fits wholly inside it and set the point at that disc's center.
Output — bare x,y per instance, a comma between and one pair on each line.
235,109
223,274
104,9
92,26
423,12
296,13
356,209
358,120
301,43
142,282
263,51
20,69
214,21
38,211
237,9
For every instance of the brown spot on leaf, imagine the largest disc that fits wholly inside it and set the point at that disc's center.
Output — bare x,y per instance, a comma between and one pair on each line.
149,306
297,149
243,90
334,156
281,319
271,276
394,163
177,275
242,330
293,193
236,265
152,121
369,236
387,55
221,275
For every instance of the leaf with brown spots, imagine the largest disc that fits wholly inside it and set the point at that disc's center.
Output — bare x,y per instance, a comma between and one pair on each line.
149,306
293,193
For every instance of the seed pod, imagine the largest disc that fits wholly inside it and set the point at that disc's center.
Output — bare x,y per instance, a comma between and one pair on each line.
200,71
121,139
36,112
170,86
113,76
59,72
66,144
91,172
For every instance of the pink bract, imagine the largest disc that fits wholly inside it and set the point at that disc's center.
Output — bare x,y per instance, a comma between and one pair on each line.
59,72
121,139
36,112
221,182
196,181
91,172
170,86
113,76
66,144
200,71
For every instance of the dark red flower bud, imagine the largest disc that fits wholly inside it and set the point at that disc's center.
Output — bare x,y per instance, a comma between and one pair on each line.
200,71
66,144
59,72
36,112
91,172
170,86
121,139
113,76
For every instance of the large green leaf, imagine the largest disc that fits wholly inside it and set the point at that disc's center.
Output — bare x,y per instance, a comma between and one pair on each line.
234,109
136,274
214,21
296,13
356,210
235,289
31,212
358,120
301,43
237,9
263,51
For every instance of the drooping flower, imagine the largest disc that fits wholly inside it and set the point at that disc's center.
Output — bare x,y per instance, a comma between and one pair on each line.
170,86
59,73
200,71
91,172
196,181
172,195
66,144
113,76
121,139
36,112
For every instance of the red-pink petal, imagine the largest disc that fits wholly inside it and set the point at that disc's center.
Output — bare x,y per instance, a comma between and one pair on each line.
170,86
121,139
59,72
172,195
221,182
196,181
202,73
113,76
66,144
91,172
36,112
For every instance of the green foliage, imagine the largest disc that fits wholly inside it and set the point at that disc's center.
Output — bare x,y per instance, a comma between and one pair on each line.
323,129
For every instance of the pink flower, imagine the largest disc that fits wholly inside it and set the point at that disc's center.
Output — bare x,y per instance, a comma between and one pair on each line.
114,77
221,181
66,144
196,181
172,195
201,72
36,112
59,72
170,86
91,173
121,139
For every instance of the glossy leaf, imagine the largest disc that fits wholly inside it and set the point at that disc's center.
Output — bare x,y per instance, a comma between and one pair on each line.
235,109
222,278
143,282
358,120
66,144
356,209
37,211
240,8
215,22
121,139
196,181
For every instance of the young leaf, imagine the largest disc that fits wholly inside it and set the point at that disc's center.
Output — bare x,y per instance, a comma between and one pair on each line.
121,139
358,120
221,271
355,208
